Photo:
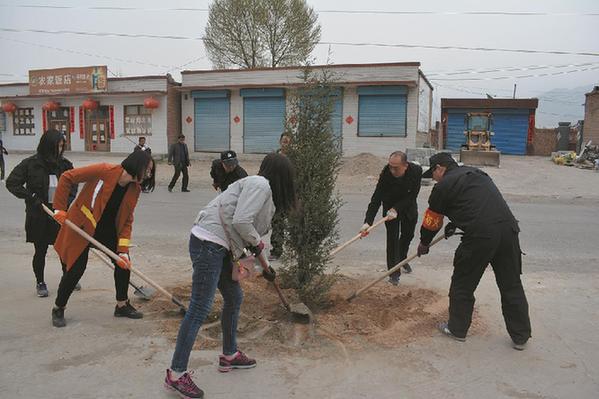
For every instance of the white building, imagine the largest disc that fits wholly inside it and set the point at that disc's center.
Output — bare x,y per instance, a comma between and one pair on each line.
111,119
379,107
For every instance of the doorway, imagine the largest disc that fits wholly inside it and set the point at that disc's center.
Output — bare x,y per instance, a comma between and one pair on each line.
97,129
60,120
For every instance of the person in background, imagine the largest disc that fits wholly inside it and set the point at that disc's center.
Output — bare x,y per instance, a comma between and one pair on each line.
3,152
235,220
472,202
178,156
35,180
397,189
141,145
277,236
226,170
104,209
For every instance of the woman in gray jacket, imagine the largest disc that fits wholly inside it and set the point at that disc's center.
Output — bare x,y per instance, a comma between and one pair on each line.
232,222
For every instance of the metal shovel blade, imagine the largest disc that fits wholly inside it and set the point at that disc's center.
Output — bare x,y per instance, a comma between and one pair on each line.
300,312
145,293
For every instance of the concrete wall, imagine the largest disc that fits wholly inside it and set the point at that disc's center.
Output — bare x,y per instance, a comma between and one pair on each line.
591,117
352,143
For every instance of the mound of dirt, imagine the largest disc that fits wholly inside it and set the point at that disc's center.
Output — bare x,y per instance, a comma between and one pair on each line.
362,164
385,316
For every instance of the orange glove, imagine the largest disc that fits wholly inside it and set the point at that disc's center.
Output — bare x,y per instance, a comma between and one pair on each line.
124,262
60,216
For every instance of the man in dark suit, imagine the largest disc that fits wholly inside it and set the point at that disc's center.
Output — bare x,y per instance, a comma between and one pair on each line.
2,153
397,190
178,156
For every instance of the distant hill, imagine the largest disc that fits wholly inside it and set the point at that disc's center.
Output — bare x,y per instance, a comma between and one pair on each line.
561,105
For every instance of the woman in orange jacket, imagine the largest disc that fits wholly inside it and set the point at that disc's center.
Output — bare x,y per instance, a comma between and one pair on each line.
103,209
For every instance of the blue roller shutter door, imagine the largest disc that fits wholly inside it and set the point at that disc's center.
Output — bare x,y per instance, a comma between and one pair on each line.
263,119
510,128
382,111
212,121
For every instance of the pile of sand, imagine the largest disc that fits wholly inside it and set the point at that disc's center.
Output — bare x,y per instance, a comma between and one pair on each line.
385,316
362,164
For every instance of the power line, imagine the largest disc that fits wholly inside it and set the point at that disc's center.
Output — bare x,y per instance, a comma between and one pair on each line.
540,75
85,53
326,43
325,11
474,71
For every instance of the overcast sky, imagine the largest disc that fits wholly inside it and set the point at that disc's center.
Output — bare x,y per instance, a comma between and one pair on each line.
565,27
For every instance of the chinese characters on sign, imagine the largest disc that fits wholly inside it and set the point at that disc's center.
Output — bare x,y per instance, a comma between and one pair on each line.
68,80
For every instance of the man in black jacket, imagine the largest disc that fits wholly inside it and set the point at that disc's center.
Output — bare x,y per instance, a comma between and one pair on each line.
226,170
2,153
178,156
472,202
397,189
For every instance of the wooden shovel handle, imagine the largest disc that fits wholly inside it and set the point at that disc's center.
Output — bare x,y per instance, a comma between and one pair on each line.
390,271
357,237
117,258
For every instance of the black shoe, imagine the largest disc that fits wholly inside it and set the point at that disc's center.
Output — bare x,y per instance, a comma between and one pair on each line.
42,290
170,189
58,317
407,268
127,311
444,328
184,190
519,347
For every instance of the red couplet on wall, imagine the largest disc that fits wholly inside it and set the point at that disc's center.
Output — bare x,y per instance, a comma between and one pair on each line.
81,123
71,119
111,110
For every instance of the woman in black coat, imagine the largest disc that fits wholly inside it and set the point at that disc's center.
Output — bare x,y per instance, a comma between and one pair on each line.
35,180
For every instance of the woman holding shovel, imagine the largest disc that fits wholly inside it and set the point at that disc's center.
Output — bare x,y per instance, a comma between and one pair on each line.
35,180
233,221
104,210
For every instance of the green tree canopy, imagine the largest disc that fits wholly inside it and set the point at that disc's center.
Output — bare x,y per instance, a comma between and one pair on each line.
260,33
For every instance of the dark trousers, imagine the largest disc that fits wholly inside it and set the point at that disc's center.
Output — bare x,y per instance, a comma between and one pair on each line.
278,234
39,260
178,170
1,168
398,244
71,277
500,247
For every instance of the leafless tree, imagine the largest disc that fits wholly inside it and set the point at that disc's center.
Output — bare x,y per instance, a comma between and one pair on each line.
260,33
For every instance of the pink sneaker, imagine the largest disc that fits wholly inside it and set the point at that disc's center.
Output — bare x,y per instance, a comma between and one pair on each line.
184,386
240,361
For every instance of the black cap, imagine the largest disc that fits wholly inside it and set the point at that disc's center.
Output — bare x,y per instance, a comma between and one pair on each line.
228,156
441,158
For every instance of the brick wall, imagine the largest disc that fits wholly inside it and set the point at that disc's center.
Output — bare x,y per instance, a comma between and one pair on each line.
173,111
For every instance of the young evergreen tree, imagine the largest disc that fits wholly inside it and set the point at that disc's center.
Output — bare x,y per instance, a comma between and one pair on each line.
311,231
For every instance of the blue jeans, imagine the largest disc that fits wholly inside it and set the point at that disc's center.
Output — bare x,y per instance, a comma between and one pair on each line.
211,269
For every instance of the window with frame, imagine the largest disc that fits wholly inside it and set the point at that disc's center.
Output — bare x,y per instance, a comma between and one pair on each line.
23,122
2,121
382,111
138,120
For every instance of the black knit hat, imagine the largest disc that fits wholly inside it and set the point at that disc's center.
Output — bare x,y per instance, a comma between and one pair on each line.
442,159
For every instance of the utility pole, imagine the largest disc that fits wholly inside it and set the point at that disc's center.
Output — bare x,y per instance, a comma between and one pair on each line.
514,96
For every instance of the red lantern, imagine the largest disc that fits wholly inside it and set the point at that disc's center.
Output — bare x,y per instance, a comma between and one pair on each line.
51,106
151,103
9,107
90,104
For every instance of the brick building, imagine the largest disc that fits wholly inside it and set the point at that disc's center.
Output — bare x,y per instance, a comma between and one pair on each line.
591,117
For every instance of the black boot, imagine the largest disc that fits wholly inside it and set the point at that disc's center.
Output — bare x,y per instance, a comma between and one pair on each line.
58,317
127,311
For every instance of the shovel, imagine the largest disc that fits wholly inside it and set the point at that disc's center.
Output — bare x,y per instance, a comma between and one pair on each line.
300,312
142,292
390,271
114,256
357,237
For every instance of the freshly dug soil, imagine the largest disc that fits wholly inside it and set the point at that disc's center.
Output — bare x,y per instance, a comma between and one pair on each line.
384,316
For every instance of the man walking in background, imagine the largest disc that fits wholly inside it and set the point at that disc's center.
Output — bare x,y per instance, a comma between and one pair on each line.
3,152
178,156
141,145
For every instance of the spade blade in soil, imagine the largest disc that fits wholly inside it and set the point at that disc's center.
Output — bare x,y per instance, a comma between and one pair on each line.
300,312
145,293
